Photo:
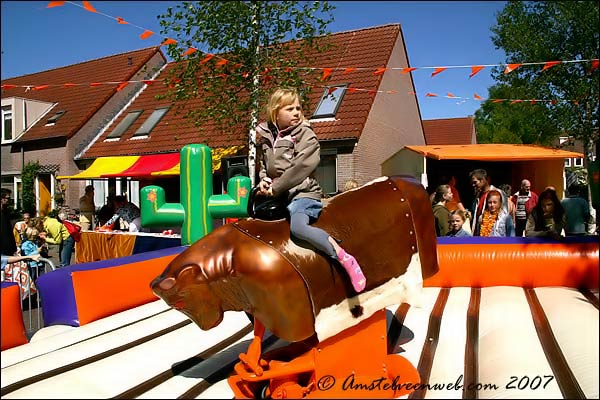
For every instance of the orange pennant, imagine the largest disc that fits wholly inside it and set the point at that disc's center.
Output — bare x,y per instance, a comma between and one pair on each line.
207,58
221,62
148,81
9,86
511,67
122,86
379,71
594,65
437,71
348,70
326,73
533,101
550,64
515,101
554,102
351,90
189,51
475,69
407,70
88,6
431,95
69,84
55,4
497,100
331,90
450,95
146,34
40,87
168,41
121,21
477,97
94,84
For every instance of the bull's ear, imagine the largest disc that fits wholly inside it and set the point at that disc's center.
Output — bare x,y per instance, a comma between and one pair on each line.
188,273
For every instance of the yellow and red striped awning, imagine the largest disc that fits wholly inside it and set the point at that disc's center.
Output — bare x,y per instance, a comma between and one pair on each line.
151,165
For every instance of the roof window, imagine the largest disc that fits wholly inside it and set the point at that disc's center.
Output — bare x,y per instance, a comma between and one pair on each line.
330,102
52,120
151,122
124,124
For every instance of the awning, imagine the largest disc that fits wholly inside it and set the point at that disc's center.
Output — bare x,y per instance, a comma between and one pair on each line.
492,152
147,165
144,166
103,165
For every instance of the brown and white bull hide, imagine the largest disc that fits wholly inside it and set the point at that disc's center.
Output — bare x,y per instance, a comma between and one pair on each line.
295,291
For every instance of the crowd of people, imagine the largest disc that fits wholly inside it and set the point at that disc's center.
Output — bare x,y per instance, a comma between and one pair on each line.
498,212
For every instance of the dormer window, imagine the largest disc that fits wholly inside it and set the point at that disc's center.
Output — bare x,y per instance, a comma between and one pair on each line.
151,122
124,124
7,124
330,102
52,120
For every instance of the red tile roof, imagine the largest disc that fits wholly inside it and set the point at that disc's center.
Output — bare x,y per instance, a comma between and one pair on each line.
79,102
369,48
449,131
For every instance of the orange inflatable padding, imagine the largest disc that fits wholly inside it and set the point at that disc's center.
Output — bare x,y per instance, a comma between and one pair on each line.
106,291
12,328
525,265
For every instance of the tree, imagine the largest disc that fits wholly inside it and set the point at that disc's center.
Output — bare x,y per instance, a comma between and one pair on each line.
539,32
28,175
247,48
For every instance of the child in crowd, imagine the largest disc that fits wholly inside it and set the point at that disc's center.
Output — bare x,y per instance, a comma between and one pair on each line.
495,220
457,220
289,154
30,247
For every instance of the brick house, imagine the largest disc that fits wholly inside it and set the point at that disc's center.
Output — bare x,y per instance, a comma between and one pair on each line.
358,129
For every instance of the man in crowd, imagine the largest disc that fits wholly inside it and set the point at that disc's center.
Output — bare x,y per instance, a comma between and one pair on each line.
524,201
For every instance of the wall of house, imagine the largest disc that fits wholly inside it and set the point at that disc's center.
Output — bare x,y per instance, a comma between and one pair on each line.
96,125
394,120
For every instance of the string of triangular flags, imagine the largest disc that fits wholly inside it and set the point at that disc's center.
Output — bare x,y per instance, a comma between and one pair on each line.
326,72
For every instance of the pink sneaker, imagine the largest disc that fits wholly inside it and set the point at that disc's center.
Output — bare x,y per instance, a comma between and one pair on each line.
353,269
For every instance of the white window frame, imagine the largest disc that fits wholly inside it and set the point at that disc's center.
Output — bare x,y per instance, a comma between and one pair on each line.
578,162
7,112
567,162
330,102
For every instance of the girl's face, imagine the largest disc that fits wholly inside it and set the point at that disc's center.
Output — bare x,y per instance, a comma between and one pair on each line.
448,196
547,206
289,115
493,203
456,222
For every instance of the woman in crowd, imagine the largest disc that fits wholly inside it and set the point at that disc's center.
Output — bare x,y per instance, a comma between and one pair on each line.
441,214
548,218
495,220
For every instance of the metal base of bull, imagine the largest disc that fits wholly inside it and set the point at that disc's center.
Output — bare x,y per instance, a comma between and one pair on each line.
351,364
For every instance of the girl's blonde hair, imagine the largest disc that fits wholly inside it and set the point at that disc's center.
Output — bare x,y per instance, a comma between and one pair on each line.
280,98
461,214
32,234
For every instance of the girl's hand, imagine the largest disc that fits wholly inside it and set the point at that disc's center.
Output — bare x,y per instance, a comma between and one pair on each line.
264,186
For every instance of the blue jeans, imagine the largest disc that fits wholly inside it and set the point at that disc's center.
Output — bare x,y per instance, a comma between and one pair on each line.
301,211
66,251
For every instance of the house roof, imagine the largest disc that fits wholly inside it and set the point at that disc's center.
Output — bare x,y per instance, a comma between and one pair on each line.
367,48
492,152
449,131
80,102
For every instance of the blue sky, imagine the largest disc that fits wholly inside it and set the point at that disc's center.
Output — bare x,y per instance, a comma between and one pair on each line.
436,33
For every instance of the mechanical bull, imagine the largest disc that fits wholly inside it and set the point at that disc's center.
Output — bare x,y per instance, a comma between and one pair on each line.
294,291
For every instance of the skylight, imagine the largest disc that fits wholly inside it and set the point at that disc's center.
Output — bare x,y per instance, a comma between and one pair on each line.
124,124
52,120
151,122
330,102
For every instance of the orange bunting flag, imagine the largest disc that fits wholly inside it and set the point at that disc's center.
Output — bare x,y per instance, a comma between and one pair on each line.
207,58
594,65
515,101
475,69
554,102
9,86
379,71
288,69
533,101
148,81
413,93
497,100
168,41
122,86
146,34
121,21
39,87
477,97
221,62
437,71
246,74
351,90
189,51
431,95
451,96
55,4
88,6
326,73
407,70
69,84
550,64
94,84
331,90
348,70
511,67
